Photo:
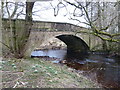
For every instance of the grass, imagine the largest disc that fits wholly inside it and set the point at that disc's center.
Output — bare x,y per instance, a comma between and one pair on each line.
38,73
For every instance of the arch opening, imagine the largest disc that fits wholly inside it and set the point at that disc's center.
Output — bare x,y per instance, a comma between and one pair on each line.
74,43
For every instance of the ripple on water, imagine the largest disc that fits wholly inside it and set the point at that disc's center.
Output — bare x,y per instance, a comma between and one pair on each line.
56,61
109,60
90,60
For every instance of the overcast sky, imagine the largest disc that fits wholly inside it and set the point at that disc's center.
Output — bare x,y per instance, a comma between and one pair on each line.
44,11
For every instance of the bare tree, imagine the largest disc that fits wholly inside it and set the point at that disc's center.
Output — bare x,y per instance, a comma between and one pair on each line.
16,42
10,35
28,26
119,24
101,25
16,37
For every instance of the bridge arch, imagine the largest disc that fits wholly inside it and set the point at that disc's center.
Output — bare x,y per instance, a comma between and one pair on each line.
40,40
74,43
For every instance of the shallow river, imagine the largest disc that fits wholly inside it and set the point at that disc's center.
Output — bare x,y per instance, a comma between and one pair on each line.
96,66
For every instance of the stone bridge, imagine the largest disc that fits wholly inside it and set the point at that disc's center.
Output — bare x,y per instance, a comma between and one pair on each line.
48,40
43,34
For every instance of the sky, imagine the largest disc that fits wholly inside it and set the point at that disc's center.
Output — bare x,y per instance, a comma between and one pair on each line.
46,12
43,11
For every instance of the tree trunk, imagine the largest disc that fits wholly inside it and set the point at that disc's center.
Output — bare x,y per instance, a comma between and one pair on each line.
28,27
119,25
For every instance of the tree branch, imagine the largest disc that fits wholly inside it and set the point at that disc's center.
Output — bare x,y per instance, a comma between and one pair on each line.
15,10
80,21
109,24
96,34
7,46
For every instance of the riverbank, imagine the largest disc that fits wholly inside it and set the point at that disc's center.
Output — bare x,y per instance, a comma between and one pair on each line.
38,73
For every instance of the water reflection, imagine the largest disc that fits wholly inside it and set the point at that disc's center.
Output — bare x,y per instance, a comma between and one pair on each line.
50,53
95,66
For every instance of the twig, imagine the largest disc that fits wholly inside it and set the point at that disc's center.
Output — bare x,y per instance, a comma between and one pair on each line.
15,85
7,46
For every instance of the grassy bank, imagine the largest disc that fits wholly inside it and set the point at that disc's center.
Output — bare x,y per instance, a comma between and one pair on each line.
38,73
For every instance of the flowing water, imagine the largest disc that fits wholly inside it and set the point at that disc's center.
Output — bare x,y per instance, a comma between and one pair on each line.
96,66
